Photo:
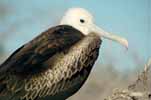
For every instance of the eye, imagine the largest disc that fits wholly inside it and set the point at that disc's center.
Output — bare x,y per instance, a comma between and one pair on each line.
82,20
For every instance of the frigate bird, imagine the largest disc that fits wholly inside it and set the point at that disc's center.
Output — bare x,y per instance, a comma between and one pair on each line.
55,64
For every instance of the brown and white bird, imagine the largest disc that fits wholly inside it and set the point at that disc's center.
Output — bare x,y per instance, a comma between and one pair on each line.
55,64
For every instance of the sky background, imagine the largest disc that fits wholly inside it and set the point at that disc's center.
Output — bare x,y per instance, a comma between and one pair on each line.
22,20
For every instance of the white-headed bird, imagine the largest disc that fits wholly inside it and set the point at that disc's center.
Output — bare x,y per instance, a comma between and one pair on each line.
55,64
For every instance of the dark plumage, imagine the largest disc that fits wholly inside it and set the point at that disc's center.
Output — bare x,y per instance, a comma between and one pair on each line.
37,51
54,65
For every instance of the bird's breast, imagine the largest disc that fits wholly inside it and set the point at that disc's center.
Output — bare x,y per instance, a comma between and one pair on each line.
67,73
80,56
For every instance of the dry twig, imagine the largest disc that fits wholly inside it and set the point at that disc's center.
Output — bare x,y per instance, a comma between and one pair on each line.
139,90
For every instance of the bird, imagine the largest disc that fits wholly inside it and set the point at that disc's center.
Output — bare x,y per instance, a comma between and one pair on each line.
55,64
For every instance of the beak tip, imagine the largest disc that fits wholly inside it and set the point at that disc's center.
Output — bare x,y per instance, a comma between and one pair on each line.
125,43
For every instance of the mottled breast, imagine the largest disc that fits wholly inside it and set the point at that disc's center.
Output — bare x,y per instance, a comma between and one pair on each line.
67,73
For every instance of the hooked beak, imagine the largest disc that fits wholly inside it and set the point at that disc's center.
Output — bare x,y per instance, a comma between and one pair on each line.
109,36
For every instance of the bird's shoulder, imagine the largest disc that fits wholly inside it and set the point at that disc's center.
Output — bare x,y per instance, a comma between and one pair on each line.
29,58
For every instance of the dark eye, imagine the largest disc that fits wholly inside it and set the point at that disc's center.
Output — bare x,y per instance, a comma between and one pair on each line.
82,20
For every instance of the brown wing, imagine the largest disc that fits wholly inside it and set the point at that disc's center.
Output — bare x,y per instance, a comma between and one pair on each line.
29,58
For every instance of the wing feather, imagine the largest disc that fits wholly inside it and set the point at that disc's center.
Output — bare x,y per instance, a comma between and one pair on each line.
29,58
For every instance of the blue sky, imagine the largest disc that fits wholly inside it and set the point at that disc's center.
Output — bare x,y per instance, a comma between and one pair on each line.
25,19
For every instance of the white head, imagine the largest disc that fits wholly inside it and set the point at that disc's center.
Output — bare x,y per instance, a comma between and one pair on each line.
82,20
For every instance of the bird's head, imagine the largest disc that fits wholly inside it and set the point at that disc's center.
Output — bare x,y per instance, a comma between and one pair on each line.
83,21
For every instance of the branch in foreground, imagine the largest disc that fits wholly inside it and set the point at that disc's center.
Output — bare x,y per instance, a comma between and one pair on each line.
139,90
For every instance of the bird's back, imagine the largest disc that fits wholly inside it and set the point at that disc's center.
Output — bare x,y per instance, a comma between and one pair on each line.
68,72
